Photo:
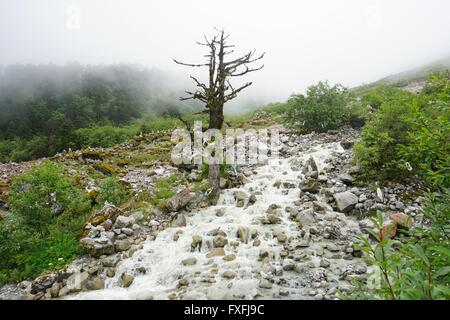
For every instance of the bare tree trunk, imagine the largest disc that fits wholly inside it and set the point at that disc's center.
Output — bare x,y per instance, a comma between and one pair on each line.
214,182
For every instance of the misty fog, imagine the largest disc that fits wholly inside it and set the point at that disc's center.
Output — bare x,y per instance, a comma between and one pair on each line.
304,41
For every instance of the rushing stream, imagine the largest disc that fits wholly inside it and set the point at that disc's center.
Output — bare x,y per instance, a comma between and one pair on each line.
162,256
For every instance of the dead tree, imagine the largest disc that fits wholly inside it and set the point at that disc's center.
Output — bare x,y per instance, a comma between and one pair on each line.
219,89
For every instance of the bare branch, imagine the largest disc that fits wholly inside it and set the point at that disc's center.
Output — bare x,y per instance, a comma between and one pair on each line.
190,64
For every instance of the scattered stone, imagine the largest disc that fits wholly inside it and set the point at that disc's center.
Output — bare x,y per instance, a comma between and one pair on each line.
345,201
265,284
179,221
229,257
122,245
243,234
220,212
127,279
180,200
196,243
189,261
229,274
346,178
216,252
220,241
96,283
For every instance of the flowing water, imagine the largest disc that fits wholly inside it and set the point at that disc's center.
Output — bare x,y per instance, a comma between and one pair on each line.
162,256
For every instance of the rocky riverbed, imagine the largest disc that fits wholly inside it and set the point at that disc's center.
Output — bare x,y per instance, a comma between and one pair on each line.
285,233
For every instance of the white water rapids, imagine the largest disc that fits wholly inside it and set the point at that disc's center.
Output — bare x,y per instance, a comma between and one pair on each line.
162,256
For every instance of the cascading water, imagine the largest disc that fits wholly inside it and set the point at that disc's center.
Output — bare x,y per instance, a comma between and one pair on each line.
162,256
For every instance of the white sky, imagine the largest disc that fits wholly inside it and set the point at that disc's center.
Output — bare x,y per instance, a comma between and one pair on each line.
348,41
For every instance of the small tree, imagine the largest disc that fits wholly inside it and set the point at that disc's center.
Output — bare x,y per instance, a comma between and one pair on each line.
321,109
219,90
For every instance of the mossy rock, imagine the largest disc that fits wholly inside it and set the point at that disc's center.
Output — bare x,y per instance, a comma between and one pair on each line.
122,162
104,168
92,154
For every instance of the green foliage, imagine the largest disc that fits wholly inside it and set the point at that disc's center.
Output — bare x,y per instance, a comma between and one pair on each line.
417,267
102,136
409,134
33,238
322,108
428,147
377,151
165,189
113,191
37,193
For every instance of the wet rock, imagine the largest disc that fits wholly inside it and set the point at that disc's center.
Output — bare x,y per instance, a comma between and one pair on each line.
220,241
252,199
196,243
240,197
309,185
229,257
220,212
310,169
183,283
265,284
306,218
216,252
179,221
54,290
189,261
324,263
177,235
229,274
273,219
77,281
111,272
127,279
347,144
345,201
243,234
96,283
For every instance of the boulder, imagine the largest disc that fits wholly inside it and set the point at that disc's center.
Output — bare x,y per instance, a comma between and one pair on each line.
123,222
220,241
346,178
196,243
96,283
109,211
179,200
179,221
127,279
189,261
309,185
345,201
122,245
310,169
77,281
243,234
97,247
216,252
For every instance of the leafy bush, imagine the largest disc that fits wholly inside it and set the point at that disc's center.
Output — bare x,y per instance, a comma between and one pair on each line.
322,108
113,191
377,152
40,233
428,148
102,136
409,134
415,267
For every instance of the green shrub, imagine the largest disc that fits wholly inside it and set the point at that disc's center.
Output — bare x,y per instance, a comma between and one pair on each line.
377,152
322,108
38,235
428,148
417,266
113,191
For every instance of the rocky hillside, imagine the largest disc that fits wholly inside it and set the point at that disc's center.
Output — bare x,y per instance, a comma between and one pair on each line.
282,230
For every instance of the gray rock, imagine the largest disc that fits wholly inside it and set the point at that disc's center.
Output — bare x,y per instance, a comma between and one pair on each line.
179,200
123,222
220,241
265,284
345,201
179,221
243,234
122,245
189,261
346,178
127,279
